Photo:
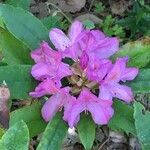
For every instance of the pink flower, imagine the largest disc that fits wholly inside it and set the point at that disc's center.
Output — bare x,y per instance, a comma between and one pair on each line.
66,85
110,86
100,110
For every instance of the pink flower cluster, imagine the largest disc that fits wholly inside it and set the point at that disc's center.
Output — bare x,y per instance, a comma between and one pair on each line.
91,72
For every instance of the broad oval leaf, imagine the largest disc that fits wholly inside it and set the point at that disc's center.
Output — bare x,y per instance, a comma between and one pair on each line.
31,115
141,84
19,3
138,53
14,51
86,130
23,25
54,134
18,79
16,137
142,124
123,118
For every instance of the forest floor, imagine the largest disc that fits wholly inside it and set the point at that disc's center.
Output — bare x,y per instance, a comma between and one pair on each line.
115,18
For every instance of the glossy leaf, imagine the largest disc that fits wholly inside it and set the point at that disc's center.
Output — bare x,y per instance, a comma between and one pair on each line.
16,137
19,3
18,79
32,116
54,134
86,130
23,25
138,53
14,51
141,84
123,118
142,124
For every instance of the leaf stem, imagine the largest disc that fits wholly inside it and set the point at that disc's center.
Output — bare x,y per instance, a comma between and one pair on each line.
48,3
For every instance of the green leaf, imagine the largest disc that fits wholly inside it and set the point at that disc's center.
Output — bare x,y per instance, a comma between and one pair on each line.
2,23
142,124
138,53
32,116
51,22
23,25
86,130
54,134
123,118
141,84
19,80
19,3
13,50
16,137
89,24
1,132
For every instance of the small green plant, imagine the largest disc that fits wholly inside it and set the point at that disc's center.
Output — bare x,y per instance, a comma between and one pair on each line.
110,27
64,24
89,24
99,7
137,20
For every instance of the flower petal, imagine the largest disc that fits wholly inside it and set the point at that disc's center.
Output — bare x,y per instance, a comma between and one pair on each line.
51,106
97,68
98,35
64,71
129,74
54,103
101,114
105,93
42,53
116,72
46,87
41,70
84,59
106,47
59,39
122,92
72,112
75,29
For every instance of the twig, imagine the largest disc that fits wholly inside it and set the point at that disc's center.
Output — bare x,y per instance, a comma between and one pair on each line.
101,146
48,3
91,5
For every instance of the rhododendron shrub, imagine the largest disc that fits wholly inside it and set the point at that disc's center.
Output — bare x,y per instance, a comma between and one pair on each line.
92,70
80,80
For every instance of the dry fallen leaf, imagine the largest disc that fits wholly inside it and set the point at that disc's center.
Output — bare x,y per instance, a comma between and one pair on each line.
39,9
90,17
4,110
68,5
118,7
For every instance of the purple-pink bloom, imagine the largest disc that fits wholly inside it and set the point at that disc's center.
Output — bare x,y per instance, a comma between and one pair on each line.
92,69
100,110
110,86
